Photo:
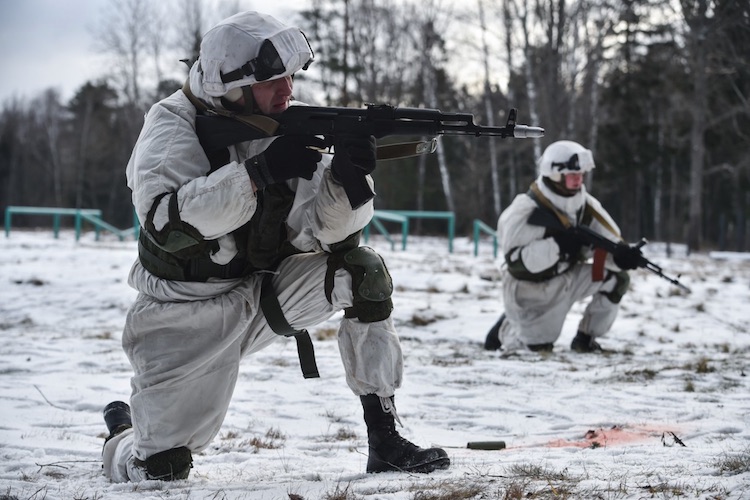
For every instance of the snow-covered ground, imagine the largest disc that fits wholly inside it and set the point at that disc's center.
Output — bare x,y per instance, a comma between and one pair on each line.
665,415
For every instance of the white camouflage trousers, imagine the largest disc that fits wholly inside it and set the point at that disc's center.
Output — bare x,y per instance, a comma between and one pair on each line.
186,354
535,312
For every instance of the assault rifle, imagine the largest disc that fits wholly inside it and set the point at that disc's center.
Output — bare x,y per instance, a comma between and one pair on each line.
545,218
217,132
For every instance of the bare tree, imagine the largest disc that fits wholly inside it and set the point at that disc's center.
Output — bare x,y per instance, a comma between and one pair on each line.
489,112
190,29
428,44
522,14
13,131
509,50
124,35
698,36
51,114
379,50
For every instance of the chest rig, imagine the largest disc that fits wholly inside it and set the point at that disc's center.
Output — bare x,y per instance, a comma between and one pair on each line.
178,251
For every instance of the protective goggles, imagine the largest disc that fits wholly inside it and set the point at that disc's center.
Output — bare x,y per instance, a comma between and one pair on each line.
579,161
267,65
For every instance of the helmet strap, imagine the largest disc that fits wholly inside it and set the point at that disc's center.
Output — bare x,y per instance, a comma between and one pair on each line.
246,109
247,93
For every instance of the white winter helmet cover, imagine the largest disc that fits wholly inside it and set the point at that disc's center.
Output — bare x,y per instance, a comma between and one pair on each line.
245,49
565,157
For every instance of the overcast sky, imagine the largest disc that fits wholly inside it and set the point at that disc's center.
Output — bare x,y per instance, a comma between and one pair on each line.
49,43
46,43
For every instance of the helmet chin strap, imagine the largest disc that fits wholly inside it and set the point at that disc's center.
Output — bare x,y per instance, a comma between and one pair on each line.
249,107
246,108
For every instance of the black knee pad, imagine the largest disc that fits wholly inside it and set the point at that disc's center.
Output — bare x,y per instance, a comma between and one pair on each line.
372,285
170,465
621,286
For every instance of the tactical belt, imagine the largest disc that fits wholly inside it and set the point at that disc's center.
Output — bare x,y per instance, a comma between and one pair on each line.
269,304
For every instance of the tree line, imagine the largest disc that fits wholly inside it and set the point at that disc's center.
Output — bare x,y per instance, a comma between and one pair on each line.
658,89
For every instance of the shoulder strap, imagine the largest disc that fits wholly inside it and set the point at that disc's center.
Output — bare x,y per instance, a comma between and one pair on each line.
536,194
269,304
589,212
592,213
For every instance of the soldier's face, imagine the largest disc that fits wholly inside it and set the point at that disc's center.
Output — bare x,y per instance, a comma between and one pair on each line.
273,96
573,182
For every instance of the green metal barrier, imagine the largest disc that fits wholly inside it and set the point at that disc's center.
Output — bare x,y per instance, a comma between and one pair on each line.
403,217
480,227
91,215
100,224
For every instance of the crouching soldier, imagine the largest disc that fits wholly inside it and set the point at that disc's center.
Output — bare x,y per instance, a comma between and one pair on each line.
238,246
546,268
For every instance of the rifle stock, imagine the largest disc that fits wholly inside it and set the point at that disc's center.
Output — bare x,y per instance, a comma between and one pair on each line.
545,218
217,132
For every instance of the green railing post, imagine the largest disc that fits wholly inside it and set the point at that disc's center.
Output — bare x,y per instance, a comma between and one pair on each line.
56,224
451,232
479,227
380,227
476,237
78,225
136,225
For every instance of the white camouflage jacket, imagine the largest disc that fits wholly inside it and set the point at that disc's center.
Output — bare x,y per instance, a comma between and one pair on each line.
168,158
519,239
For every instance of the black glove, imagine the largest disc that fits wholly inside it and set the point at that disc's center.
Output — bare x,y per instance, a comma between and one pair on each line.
570,244
352,151
287,157
627,257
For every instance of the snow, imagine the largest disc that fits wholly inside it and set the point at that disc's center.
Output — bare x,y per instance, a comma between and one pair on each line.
575,425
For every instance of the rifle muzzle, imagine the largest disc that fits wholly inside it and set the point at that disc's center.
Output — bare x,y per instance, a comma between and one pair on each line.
526,132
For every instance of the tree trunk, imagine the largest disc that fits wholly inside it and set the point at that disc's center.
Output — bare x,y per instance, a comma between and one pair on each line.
345,57
695,16
429,82
529,73
490,114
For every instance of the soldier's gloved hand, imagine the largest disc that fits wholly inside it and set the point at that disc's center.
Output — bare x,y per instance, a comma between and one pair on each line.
288,157
627,257
569,244
353,152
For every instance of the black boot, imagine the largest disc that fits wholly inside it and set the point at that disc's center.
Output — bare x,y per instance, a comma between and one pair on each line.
547,347
170,465
167,465
388,451
492,342
117,418
585,343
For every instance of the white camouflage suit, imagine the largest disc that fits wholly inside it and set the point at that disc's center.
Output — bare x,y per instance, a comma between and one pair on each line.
535,311
185,339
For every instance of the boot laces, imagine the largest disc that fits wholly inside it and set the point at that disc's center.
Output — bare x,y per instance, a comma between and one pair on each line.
386,404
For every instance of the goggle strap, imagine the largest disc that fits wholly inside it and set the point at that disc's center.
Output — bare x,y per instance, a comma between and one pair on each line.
246,69
312,56
252,66
572,164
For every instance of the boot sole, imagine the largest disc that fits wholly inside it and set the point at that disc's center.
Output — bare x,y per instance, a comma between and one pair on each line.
439,464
